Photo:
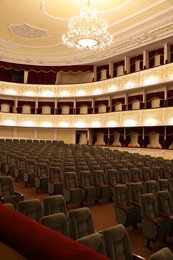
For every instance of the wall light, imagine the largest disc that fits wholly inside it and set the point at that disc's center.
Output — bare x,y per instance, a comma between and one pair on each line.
81,93
46,124
112,88
112,123
97,91
64,124
47,94
130,122
130,84
30,93
9,122
150,80
65,93
10,91
28,123
151,121
80,124
95,124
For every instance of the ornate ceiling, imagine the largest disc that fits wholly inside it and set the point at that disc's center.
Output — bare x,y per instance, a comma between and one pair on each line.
31,30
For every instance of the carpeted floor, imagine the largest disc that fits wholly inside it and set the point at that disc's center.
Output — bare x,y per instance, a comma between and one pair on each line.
103,216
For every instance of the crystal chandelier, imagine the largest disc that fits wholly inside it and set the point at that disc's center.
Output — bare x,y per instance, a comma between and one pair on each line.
87,31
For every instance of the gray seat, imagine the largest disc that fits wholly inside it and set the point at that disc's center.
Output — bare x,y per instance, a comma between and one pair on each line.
124,175
30,172
117,244
42,176
165,208
125,212
81,223
21,167
136,190
94,241
86,183
146,174
154,226
8,193
151,186
157,172
54,204
135,174
55,182
72,193
105,189
164,184
31,208
162,254
112,177
58,222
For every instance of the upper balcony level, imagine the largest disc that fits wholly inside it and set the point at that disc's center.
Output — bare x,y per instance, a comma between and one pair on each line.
141,80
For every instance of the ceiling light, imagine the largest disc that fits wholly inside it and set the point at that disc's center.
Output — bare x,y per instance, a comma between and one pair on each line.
87,31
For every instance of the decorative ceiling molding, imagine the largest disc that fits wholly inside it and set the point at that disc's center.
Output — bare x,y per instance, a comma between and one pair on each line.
27,31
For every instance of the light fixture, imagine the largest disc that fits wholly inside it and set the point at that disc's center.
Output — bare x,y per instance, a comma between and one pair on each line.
87,31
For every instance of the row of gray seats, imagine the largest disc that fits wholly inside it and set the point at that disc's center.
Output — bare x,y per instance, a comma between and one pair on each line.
78,225
133,206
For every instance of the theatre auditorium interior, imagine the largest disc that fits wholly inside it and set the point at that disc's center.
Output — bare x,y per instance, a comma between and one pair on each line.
86,129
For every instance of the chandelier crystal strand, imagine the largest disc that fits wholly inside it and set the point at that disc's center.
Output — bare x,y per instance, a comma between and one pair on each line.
87,31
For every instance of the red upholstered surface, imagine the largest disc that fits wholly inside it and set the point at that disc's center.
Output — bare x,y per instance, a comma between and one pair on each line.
35,241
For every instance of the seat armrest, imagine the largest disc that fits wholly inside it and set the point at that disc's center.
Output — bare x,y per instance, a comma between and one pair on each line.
135,203
170,217
2,199
19,194
152,221
138,257
122,208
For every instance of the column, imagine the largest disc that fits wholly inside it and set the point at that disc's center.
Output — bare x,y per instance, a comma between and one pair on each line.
167,54
111,72
127,65
145,60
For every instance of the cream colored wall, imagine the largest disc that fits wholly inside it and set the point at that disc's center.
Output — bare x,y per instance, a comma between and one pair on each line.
67,135
27,133
6,132
45,134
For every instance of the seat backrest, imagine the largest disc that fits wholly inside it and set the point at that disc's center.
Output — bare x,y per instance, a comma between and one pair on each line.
70,180
117,243
135,174
149,206
146,173
136,190
42,169
124,175
164,184
152,186
122,195
94,241
157,172
81,222
31,208
112,176
54,204
162,254
85,178
31,165
6,186
55,174
57,222
164,202
100,177
21,162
